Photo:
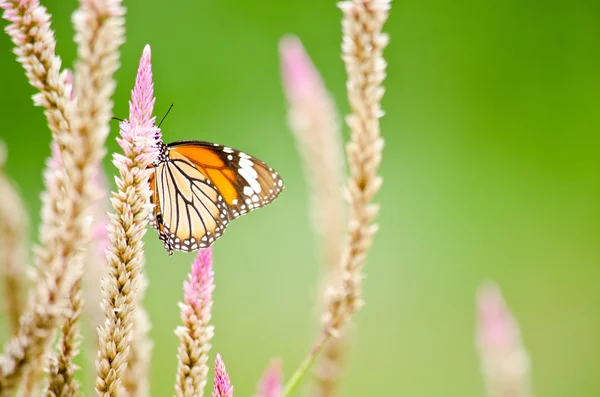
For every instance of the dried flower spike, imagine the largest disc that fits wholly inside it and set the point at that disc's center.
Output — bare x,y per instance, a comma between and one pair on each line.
61,370
33,37
504,361
222,387
196,333
136,379
98,33
13,241
362,52
51,219
128,226
59,258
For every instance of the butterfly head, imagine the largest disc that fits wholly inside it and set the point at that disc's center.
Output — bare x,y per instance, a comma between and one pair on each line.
163,154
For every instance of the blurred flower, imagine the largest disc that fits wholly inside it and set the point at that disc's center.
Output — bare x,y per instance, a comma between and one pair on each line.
504,361
196,333
14,224
222,387
271,383
314,121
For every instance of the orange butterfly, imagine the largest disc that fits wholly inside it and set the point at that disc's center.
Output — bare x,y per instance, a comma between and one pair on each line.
198,187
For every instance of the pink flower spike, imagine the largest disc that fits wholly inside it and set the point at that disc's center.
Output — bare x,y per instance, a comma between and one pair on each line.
196,332
504,360
497,328
223,387
142,96
139,134
200,285
300,77
271,383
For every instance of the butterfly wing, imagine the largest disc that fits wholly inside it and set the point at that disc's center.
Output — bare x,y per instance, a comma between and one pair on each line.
190,212
245,182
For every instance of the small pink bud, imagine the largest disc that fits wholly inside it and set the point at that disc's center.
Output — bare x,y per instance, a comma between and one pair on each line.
222,387
139,134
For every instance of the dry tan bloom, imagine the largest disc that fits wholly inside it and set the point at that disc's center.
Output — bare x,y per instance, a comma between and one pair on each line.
136,379
51,218
30,31
61,370
127,228
81,149
35,49
362,52
314,122
504,361
99,33
13,252
196,333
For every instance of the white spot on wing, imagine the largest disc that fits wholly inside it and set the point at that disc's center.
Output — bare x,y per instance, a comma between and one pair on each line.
251,180
246,163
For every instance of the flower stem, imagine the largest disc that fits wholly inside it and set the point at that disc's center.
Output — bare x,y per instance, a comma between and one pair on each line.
306,364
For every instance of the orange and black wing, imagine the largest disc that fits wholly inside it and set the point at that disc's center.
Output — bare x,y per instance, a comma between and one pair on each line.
245,182
189,211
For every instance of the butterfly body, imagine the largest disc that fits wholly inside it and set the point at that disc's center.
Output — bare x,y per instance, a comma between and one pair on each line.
199,187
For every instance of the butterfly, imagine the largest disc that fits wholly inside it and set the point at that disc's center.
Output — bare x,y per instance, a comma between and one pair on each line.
199,187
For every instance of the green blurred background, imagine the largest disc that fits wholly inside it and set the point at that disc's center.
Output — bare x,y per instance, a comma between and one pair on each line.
490,168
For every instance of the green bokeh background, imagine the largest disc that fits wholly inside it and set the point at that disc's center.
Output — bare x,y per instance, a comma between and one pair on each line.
490,168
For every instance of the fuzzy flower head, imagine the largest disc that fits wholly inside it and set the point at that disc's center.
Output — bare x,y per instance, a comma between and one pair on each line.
223,387
140,137
199,288
496,328
300,77
271,383
196,332
505,363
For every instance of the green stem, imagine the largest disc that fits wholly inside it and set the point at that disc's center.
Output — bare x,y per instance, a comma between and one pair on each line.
306,364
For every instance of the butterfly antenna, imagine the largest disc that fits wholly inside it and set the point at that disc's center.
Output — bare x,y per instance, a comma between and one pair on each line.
165,116
116,118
